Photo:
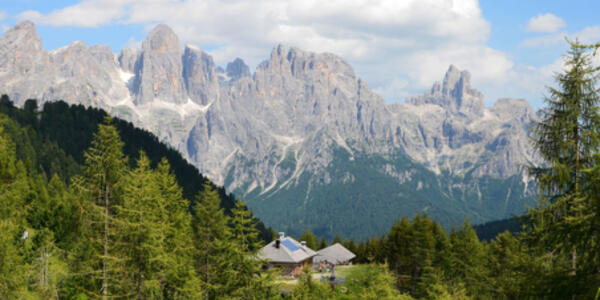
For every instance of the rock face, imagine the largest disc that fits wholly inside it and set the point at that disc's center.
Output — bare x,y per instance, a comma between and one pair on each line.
300,134
200,76
158,76
454,94
237,69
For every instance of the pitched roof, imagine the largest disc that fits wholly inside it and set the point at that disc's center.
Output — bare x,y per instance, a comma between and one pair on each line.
334,254
289,251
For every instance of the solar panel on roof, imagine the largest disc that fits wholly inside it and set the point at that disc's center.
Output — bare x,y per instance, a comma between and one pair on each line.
291,246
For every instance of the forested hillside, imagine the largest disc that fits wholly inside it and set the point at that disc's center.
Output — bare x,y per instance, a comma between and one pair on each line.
67,130
105,229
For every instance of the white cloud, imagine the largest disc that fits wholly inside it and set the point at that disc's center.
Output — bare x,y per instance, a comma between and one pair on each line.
588,35
544,41
87,13
545,23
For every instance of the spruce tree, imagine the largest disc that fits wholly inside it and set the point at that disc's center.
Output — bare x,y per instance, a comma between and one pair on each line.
13,190
566,138
140,221
310,239
467,259
99,191
323,244
247,281
211,238
182,281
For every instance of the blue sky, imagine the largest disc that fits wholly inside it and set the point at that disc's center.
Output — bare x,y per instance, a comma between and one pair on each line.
511,48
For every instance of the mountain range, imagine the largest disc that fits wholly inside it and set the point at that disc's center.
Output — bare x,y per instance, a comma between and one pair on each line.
303,139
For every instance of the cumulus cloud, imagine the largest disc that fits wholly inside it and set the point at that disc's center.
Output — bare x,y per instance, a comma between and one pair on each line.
399,47
544,41
588,35
545,23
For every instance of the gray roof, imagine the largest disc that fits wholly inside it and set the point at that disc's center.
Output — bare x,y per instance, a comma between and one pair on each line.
334,254
286,253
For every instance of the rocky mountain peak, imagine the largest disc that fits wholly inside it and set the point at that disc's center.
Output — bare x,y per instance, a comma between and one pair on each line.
162,39
452,78
237,69
159,75
200,75
23,35
278,51
21,50
454,94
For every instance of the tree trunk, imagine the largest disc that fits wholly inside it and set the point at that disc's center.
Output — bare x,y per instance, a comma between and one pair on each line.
104,264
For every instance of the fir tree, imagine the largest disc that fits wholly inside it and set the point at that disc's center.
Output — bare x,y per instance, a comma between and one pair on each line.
566,138
13,189
140,221
182,281
310,239
247,281
99,192
323,244
211,237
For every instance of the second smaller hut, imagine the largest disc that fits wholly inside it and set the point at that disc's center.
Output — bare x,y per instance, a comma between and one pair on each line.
335,254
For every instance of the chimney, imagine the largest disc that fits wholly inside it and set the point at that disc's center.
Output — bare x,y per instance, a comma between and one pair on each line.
277,242
303,243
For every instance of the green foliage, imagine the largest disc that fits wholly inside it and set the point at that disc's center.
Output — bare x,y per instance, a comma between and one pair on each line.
310,238
53,141
113,231
370,281
307,288
322,244
568,138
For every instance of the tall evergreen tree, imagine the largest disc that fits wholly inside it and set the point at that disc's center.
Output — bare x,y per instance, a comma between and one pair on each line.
211,237
310,238
323,244
566,138
99,191
13,188
182,281
247,280
467,259
140,221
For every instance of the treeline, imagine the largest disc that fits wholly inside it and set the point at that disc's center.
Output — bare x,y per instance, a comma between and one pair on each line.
116,231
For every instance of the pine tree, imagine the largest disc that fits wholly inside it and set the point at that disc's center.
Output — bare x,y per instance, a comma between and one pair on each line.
13,190
211,238
182,281
140,221
467,259
421,249
566,138
399,255
99,192
323,244
247,281
310,239
337,239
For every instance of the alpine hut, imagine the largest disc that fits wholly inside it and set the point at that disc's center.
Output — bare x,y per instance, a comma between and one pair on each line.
287,253
335,254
